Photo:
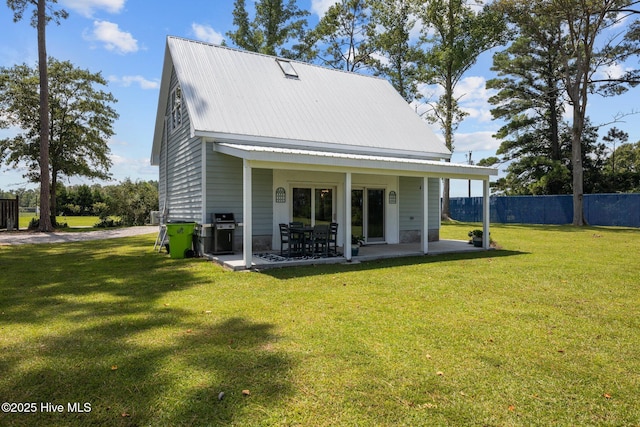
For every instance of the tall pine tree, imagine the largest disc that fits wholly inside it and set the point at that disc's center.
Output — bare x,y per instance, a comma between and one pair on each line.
278,28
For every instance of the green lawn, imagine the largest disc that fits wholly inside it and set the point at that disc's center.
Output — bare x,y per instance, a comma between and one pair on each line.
71,221
545,331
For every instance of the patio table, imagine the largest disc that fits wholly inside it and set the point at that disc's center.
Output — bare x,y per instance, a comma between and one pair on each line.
306,233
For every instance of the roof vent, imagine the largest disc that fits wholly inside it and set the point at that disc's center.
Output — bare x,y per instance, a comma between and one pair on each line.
287,68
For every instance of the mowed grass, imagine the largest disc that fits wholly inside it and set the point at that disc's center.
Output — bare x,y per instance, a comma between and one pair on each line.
545,331
71,221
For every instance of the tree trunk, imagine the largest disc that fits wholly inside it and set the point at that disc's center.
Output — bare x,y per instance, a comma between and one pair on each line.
45,209
576,160
54,202
448,141
446,214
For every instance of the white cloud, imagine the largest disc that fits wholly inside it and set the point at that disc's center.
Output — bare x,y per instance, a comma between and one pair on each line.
126,164
127,81
206,33
476,141
113,37
614,71
320,7
471,93
133,168
418,28
88,7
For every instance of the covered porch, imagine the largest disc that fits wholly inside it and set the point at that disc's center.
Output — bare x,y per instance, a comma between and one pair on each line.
259,261
347,171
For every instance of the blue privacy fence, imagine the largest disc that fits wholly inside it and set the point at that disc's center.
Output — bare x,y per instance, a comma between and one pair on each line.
599,209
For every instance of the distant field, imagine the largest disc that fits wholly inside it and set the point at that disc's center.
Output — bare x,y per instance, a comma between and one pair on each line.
72,221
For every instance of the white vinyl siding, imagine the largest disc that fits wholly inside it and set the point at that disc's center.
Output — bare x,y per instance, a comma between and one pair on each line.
410,200
181,172
262,201
224,191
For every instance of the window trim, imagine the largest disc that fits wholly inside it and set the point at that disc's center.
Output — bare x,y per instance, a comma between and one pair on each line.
175,98
287,69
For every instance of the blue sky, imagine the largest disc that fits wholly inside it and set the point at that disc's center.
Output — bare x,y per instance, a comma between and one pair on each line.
125,41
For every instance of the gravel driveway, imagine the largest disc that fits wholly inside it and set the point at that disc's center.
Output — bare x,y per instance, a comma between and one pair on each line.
24,237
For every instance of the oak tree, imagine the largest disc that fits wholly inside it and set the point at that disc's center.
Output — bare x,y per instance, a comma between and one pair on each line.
80,122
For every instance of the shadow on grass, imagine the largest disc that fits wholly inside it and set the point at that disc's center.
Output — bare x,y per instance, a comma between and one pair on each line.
293,272
86,323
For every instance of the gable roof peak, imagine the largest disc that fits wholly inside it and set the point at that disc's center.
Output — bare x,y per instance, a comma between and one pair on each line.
233,94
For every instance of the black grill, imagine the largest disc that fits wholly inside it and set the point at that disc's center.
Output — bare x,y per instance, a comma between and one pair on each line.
224,225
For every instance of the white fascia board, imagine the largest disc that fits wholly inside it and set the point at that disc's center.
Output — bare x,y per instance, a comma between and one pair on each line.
278,158
252,140
163,97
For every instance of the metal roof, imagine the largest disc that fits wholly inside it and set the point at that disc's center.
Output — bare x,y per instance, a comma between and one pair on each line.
308,159
246,97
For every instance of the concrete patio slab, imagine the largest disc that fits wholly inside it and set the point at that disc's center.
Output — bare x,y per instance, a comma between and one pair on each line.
367,253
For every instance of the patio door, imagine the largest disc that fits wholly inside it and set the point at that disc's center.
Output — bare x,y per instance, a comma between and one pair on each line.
367,214
313,205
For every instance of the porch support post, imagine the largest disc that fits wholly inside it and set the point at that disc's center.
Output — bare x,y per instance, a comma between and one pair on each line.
486,214
424,236
347,216
247,231
203,168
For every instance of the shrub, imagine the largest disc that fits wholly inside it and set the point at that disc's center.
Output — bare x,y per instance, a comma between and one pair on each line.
34,224
108,223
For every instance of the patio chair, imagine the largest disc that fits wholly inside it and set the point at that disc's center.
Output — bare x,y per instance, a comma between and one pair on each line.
320,240
293,242
333,238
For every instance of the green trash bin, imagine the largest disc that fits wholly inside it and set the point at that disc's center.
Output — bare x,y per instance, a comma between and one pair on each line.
180,238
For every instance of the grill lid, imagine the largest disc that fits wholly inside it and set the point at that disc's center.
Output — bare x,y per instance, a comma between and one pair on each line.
223,217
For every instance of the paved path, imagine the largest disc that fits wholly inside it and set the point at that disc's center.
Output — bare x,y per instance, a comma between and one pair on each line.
24,237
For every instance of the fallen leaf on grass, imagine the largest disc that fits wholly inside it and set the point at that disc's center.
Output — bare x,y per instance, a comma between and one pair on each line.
512,408
189,331
114,367
440,374
246,392
124,415
607,396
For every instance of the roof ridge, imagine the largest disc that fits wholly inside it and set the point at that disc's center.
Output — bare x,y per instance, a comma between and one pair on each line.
296,61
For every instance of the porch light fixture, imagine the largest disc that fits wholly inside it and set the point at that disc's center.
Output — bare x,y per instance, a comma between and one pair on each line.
392,197
287,68
281,195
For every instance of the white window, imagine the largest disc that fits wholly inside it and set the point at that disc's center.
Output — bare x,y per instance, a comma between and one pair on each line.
287,68
176,108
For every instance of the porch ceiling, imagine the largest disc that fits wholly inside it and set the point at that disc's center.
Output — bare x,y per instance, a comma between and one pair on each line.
289,158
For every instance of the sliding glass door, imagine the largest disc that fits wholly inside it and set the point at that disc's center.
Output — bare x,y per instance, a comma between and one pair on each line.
367,214
313,206
375,215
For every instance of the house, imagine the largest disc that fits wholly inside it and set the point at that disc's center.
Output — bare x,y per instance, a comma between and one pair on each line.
270,139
